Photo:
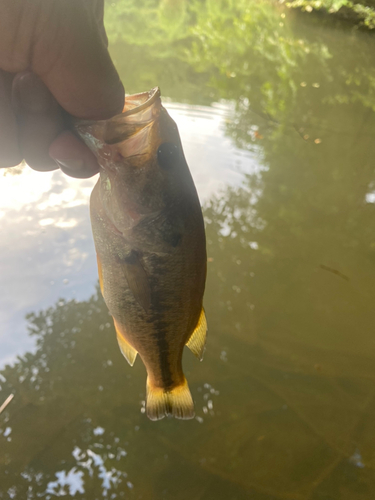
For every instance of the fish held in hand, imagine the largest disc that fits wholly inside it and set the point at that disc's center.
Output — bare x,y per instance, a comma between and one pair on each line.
150,243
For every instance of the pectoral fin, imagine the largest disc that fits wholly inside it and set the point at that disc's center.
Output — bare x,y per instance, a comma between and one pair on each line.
100,272
127,350
197,340
137,279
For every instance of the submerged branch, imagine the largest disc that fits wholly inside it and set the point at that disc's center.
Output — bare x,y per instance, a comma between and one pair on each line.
6,402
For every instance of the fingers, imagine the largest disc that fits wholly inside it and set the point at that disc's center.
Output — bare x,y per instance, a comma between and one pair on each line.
95,9
72,60
40,120
65,44
10,154
44,142
73,157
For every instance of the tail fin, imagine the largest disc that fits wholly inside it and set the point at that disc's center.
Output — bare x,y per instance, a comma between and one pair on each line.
177,402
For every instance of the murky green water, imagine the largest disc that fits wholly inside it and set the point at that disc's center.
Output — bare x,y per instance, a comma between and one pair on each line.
276,113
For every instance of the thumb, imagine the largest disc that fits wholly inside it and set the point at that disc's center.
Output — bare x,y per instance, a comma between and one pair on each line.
69,55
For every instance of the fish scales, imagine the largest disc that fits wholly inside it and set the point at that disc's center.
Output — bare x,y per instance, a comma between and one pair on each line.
150,243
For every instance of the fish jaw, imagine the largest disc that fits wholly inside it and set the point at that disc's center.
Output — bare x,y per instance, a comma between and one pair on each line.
132,184
108,139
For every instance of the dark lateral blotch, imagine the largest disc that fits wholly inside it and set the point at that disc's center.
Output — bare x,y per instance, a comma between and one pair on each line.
169,155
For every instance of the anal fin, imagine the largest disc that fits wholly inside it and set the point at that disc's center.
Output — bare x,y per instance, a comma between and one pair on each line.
127,350
177,402
197,340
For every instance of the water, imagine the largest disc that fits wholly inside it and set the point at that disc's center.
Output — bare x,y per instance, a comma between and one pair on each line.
276,115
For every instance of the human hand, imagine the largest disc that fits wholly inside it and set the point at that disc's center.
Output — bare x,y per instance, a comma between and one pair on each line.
53,62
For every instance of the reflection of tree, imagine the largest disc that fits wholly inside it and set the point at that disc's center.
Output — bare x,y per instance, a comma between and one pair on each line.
14,170
75,427
292,276
149,42
357,12
201,51
305,210
60,398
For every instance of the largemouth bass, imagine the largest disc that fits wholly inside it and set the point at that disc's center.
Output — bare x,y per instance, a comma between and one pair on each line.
150,243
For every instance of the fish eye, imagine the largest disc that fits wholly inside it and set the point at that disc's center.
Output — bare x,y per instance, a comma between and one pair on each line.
168,155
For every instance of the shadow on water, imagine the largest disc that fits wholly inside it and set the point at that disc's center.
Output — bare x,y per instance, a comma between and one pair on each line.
285,396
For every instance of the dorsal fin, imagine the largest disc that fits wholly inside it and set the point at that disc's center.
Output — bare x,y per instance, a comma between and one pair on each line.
197,340
127,350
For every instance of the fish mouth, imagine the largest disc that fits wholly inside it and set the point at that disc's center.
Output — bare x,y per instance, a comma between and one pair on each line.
135,103
139,112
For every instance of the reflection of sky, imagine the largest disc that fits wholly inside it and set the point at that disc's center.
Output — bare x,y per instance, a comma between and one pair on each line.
88,461
46,249
213,159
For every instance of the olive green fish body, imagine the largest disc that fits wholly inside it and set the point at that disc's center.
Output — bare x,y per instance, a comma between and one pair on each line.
150,242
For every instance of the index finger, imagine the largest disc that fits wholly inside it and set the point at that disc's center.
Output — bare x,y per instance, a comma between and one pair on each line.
70,57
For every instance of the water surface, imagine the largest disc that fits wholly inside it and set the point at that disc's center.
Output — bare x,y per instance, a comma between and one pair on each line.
276,114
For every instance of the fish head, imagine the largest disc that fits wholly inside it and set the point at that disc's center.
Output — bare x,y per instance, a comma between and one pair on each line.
142,166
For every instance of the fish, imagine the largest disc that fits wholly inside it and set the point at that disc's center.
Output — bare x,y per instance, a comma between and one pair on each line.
150,244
